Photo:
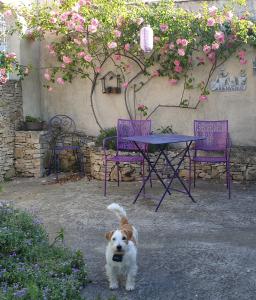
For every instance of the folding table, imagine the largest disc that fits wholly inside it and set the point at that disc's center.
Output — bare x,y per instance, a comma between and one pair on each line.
163,140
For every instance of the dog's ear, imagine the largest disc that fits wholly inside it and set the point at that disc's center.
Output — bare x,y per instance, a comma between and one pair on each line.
128,233
109,234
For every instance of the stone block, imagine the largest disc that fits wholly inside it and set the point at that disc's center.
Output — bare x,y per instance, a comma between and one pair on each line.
251,173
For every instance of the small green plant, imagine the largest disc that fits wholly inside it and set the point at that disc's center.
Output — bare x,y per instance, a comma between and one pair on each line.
31,119
31,268
108,132
162,130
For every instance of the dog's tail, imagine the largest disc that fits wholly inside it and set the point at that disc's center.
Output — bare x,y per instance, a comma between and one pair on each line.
118,210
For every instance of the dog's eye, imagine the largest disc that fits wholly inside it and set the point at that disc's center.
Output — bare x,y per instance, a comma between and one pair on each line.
124,238
113,239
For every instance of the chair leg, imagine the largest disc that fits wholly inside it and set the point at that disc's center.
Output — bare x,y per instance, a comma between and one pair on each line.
118,177
228,178
189,179
150,178
194,164
143,175
105,179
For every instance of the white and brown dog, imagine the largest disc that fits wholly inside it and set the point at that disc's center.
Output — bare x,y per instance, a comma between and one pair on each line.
121,252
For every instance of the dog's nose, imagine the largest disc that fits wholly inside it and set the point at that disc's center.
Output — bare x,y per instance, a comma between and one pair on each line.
119,247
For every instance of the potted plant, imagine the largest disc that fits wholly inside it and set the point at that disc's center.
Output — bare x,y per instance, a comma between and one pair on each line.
33,124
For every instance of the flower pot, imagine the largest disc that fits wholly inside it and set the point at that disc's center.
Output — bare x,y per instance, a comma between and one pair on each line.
33,126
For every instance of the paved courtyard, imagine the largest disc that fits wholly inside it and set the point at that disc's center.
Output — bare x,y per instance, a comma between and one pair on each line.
202,251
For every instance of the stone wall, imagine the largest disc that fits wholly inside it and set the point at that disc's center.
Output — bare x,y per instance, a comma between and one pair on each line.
30,153
11,117
243,167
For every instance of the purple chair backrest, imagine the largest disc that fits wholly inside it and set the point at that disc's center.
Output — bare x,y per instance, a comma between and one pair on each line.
127,128
215,132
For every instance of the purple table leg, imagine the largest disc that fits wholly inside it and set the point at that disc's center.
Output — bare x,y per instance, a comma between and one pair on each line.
152,168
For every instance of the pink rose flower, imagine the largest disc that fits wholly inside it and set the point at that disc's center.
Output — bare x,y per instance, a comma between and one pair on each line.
60,80
155,73
70,25
117,57
127,47
176,62
78,42
125,85
95,22
213,10
11,55
210,22
203,98
47,76
98,70
171,46
7,13
181,52
212,56
81,54
50,89
243,61
88,58
229,15
64,17
117,33
3,71
79,28
66,59
215,46
53,20
156,38
178,69
179,42
219,36
141,107
184,42
241,54
173,81
84,41
112,45
164,27
207,49
92,28
63,66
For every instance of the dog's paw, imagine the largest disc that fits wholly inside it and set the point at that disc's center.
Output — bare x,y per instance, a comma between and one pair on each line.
130,287
113,286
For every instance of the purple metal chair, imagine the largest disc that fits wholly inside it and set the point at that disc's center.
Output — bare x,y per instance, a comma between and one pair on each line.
126,128
216,140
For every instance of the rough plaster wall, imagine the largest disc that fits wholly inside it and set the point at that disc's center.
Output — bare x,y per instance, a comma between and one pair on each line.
238,107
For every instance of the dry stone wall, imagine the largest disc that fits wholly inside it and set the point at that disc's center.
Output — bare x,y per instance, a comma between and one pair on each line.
11,117
243,167
30,152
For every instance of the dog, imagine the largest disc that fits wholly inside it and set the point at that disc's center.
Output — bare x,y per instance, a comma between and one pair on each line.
121,251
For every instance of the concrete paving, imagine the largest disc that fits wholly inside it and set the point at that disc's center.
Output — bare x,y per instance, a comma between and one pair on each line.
202,251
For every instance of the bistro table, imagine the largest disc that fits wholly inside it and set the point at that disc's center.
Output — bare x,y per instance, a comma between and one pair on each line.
163,140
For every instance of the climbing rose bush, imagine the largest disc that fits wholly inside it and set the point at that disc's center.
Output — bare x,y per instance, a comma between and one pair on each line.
86,35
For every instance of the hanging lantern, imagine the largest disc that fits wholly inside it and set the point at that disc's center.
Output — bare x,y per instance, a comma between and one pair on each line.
146,38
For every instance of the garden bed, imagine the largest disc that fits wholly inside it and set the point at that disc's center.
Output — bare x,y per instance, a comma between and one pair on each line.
31,267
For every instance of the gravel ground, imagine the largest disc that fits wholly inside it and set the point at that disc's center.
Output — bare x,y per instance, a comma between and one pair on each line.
202,251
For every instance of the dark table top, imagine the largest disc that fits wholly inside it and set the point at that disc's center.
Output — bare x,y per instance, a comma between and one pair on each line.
158,139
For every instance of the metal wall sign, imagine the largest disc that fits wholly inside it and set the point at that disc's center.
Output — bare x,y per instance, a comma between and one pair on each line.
224,82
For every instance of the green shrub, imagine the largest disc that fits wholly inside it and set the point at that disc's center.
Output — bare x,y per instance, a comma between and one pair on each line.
108,132
32,119
31,268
